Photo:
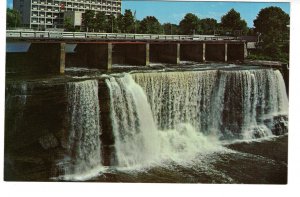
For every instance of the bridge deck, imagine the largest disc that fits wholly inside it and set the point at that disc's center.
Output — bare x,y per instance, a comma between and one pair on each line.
91,36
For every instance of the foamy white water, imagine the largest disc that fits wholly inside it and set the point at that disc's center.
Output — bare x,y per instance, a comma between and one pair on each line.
138,142
227,103
83,146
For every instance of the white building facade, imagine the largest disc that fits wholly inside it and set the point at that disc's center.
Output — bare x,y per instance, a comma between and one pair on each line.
43,14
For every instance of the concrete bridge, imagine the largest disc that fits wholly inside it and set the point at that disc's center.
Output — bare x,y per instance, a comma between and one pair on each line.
51,52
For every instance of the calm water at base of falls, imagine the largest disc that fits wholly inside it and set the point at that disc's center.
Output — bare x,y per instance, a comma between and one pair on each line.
256,162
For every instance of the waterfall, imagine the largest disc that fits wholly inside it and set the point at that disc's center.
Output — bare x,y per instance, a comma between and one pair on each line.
83,148
172,116
179,97
230,104
138,140
136,135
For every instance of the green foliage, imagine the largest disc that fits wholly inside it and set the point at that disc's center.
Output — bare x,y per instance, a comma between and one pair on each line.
190,24
120,24
232,22
13,18
101,22
112,25
251,32
208,25
128,25
170,29
272,23
150,25
271,51
68,26
88,20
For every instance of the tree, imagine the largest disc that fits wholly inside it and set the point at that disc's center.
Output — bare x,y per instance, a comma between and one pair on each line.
120,24
88,20
128,22
232,22
272,23
68,26
190,24
150,25
208,25
101,22
170,29
112,25
13,18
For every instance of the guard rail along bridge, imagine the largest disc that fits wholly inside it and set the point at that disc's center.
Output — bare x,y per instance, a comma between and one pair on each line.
52,51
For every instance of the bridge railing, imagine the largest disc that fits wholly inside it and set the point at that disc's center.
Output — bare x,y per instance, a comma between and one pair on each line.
105,36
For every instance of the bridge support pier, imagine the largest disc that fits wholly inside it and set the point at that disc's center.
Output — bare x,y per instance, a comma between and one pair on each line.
226,52
62,61
165,53
204,53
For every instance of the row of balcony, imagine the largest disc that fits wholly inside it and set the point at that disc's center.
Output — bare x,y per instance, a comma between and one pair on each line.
41,22
71,3
50,8
55,10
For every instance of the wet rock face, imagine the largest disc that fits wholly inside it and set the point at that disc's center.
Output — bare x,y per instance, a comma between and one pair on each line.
48,141
37,129
34,117
279,125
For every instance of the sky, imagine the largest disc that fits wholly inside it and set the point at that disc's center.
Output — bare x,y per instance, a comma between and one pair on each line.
166,11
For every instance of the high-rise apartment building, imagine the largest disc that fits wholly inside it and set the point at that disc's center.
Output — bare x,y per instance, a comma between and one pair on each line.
43,14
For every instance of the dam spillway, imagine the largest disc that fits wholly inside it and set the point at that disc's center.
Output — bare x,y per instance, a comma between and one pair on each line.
152,119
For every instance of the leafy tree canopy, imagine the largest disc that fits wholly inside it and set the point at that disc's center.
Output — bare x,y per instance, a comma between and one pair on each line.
208,25
232,22
150,25
128,22
170,29
68,25
112,25
101,22
13,18
88,19
190,24
272,23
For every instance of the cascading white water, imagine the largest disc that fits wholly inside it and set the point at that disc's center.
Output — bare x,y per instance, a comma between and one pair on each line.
176,116
136,136
179,97
83,147
226,103
138,142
